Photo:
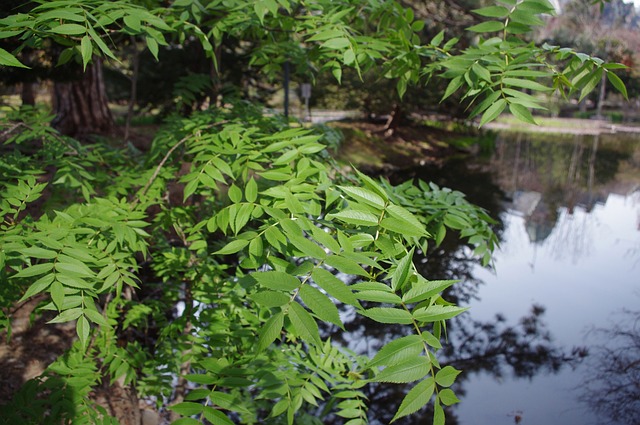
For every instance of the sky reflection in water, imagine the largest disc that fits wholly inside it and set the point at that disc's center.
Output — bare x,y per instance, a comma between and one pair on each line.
569,262
582,266
583,273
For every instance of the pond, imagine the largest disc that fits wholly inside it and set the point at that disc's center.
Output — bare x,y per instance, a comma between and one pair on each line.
554,330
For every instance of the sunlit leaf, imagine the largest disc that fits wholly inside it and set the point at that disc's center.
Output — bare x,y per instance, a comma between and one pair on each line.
407,371
416,398
304,325
398,350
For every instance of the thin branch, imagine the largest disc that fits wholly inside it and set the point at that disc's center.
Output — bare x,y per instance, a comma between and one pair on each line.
164,160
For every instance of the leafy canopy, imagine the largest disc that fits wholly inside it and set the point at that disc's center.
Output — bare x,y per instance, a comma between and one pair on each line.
229,268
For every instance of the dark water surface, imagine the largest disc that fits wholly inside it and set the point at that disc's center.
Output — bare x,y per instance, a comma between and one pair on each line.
554,330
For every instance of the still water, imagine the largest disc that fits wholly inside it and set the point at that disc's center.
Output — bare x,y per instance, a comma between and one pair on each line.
554,329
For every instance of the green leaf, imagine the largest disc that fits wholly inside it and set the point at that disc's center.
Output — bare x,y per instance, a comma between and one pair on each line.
536,6
38,286
379,297
453,86
345,265
358,218
525,84
334,286
235,194
251,190
95,317
270,298
407,218
326,35
132,22
325,239
276,280
525,18
438,414
228,401
489,26
270,331
82,329
152,45
389,315
74,269
446,376
401,274
232,247
618,84
320,305
436,313
7,59
493,111
69,29
522,113
372,184
424,289
435,41
37,252
57,294
364,195
303,324
593,82
481,72
408,371
67,316
485,104
349,56
187,408
492,11
415,399
398,351
338,43
35,270
215,416
86,49
447,397
256,247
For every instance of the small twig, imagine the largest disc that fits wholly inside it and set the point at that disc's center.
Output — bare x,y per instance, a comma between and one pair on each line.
157,171
164,160
12,128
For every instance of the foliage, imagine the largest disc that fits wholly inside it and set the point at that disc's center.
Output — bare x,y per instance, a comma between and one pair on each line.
252,256
214,259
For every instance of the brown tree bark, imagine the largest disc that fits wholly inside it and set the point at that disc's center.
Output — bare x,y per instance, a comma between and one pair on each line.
81,105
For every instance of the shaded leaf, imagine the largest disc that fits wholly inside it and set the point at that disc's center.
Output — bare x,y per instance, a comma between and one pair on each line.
270,331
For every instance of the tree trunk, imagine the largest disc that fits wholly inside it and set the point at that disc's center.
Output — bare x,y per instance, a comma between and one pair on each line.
28,93
81,106
394,120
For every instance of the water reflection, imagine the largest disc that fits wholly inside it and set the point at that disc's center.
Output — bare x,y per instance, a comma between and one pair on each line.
568,226
612,388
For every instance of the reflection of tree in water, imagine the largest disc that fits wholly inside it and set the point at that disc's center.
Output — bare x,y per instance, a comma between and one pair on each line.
565,174
564,171
524,349
495,347
612,386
